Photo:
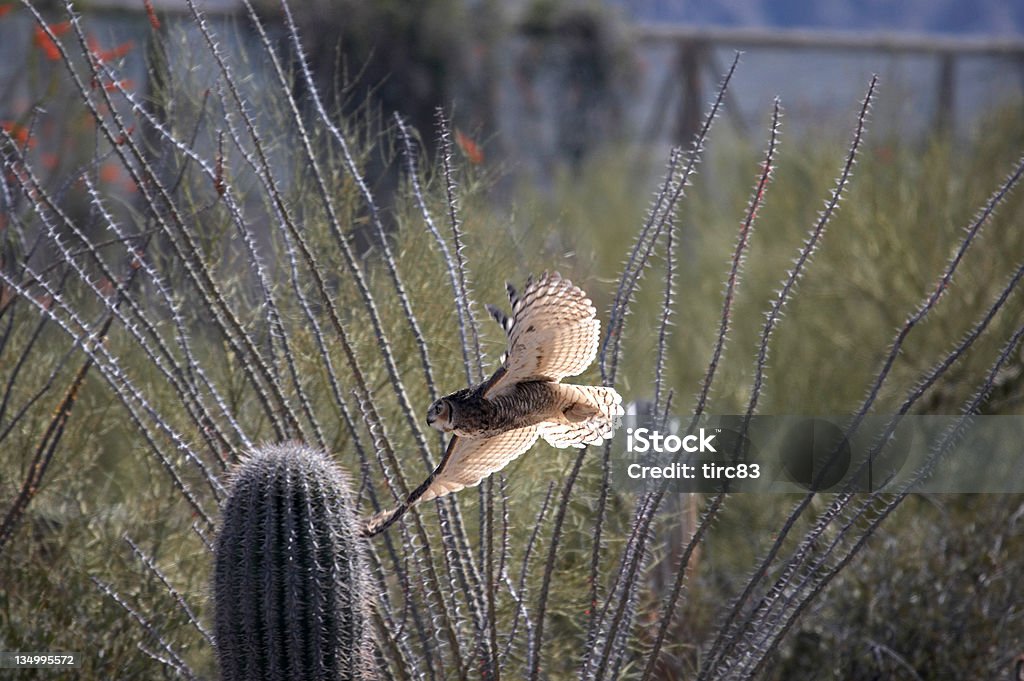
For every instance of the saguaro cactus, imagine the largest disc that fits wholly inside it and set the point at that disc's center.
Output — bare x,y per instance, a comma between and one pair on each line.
290,584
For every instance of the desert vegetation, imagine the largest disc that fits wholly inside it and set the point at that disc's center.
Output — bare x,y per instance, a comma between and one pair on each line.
197,268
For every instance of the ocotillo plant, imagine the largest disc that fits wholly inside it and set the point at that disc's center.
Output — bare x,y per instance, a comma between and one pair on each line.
290,584
205,264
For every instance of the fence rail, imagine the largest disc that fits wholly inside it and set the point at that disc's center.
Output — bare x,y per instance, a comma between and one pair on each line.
835,40
694,54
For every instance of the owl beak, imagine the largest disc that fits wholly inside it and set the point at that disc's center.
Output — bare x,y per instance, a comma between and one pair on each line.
430,419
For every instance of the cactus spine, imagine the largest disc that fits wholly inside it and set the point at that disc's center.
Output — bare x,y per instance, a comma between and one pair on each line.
290,586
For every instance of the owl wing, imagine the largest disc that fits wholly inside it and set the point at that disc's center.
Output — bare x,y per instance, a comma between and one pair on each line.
465,463
553,333
470,460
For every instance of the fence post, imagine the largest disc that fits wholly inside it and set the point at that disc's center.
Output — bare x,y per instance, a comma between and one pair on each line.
691,56
945,93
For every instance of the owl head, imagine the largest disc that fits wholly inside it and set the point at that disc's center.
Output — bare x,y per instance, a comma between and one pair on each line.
439,415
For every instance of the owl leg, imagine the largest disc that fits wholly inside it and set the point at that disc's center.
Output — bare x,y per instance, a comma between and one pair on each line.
589,416
580,411
583,402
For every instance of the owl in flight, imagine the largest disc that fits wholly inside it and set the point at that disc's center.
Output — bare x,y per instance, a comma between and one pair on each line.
552,333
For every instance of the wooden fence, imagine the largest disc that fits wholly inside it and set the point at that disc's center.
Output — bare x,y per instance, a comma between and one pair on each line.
694,54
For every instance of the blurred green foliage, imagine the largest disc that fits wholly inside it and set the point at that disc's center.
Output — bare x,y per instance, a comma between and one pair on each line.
941,567
897,226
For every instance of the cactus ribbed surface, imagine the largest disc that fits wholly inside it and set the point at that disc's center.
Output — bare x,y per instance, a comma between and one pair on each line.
290,583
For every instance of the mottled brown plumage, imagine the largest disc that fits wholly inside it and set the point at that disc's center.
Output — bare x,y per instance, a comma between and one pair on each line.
552,333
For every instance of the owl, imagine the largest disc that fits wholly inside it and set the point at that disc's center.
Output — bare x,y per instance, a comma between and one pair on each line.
553,333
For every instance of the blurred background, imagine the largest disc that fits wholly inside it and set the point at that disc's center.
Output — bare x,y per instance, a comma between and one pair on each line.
563,117
541,85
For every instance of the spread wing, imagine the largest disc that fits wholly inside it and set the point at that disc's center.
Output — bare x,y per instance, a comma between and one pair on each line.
465,463
553,333
470,460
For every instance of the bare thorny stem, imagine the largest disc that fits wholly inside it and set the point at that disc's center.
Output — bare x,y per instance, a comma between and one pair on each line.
812,539
646,515
462,610
774,316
